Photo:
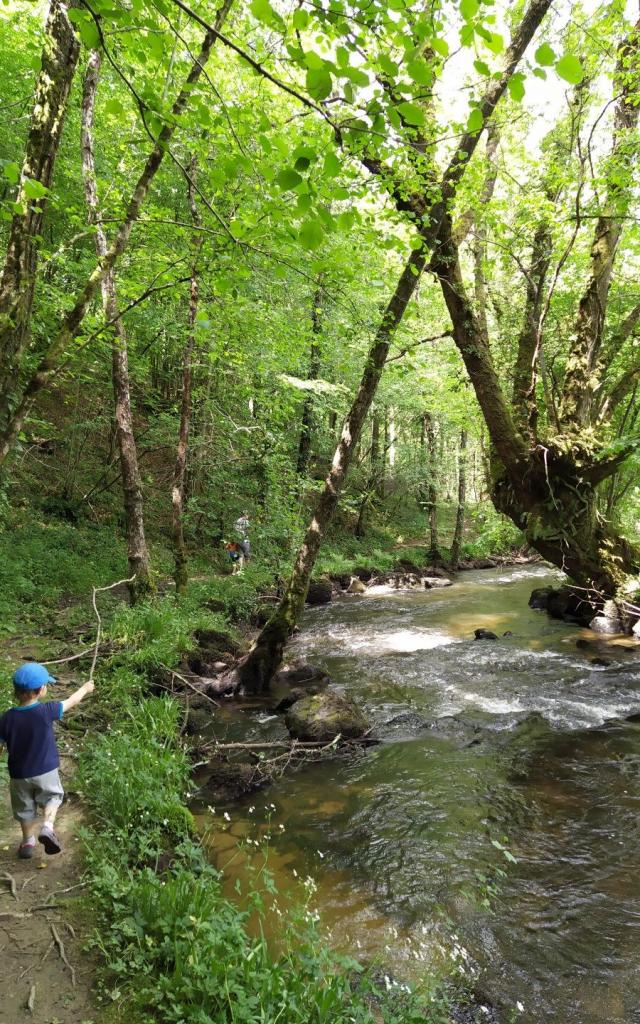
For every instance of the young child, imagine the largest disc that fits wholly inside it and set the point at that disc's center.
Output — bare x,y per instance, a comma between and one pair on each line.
27,732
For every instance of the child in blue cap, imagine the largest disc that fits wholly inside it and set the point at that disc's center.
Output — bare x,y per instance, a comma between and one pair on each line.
27,732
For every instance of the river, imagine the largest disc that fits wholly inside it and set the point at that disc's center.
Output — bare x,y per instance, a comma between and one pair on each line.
410,843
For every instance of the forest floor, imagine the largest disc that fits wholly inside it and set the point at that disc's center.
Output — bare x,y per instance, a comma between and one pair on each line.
49,977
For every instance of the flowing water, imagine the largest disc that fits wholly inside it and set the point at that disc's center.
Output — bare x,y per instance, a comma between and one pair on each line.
528,752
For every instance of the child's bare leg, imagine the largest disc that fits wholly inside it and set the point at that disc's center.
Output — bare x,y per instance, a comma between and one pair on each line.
50,812
28,828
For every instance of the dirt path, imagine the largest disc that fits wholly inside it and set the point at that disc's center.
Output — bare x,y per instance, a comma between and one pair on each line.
39,920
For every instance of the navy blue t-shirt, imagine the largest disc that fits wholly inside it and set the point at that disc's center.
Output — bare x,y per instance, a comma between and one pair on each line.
27,732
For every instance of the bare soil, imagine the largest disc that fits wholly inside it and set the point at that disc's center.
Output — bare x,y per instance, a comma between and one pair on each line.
40,920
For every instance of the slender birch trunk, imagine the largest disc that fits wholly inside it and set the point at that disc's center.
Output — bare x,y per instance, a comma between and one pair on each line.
17,283
456,543
73,319
180,573
137,550
306,429
432,488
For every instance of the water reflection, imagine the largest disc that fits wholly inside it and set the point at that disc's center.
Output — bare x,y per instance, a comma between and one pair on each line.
399,838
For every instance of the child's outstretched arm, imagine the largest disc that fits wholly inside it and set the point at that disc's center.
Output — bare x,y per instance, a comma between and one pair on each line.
76,697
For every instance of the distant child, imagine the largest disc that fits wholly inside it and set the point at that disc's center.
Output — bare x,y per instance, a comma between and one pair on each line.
27,732
236,556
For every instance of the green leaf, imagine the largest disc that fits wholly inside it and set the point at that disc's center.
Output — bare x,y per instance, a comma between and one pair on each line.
11,172
411,113
356,75
540,73
469,9
311,234
319,83
516,87
34,189
475,120
481,67
314,60
544,55
388,66
332,165
264,12
303,163
570,68
300,19
89,34
440,46
288,179
495,43
420,72
114,106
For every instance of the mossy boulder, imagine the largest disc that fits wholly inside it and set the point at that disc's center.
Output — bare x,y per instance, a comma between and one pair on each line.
320,591
324,716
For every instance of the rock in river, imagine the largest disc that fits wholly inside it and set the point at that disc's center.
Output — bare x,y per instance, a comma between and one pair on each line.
325,716
320,591
484,634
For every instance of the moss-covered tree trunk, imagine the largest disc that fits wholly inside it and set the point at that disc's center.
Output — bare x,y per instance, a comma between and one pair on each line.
18,281
137,549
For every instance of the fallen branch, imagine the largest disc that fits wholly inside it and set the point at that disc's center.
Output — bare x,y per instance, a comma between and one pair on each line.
31,1001
54,931
190,685
6,877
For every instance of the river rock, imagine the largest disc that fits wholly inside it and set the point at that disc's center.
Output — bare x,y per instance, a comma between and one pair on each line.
324,716
229,780
364,575
405,725
356,586
295,694
571,606
302,674
320,591
484,634
540,598
601,662
434,582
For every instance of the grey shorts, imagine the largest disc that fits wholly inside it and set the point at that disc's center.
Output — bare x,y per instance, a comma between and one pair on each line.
29,794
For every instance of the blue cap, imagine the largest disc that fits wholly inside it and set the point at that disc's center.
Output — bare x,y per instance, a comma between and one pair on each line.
32,676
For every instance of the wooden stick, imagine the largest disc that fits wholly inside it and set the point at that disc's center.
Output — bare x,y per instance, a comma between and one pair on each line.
288,745
31,1001
56,938
99,590
73,657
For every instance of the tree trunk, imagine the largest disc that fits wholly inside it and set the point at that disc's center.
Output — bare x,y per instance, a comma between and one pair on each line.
137,550
456,543
177,495
306,429
17,284
256,670
432,488
72,321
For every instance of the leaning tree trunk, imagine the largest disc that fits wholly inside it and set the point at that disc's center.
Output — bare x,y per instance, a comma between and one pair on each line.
456,543
256,670
177,495
17,284
429,208
72,321
137,550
